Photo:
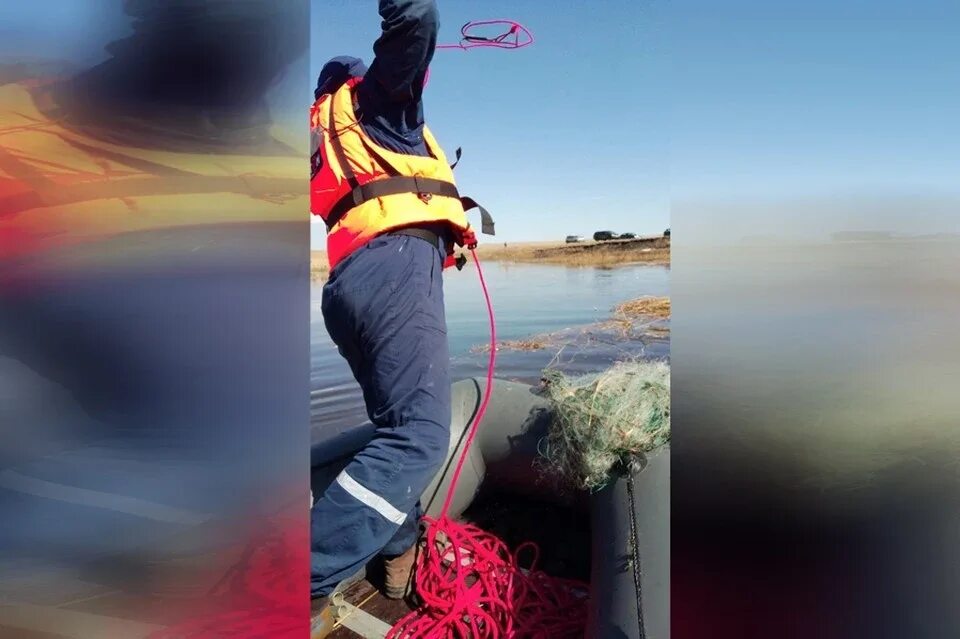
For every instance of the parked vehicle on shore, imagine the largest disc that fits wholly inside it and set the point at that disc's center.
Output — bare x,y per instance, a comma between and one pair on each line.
627,236
573,239
604,236
666,233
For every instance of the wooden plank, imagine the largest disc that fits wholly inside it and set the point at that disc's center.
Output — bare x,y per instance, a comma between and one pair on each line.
365,596
358,620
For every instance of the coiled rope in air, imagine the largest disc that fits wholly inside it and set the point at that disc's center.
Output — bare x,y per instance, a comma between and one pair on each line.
515,37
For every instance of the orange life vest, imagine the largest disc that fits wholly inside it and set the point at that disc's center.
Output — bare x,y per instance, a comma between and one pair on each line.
362,190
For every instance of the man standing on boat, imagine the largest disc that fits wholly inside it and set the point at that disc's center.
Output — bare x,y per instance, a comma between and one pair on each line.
386,193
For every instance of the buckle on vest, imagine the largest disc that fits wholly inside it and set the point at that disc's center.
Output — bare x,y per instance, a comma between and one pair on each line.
422,192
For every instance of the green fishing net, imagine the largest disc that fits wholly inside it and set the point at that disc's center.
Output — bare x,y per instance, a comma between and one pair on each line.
605,420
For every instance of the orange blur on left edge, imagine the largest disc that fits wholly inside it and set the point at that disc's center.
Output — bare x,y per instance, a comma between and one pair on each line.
61,185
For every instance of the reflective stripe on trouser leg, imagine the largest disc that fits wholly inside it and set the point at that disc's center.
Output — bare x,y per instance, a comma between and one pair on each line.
383,308
370,499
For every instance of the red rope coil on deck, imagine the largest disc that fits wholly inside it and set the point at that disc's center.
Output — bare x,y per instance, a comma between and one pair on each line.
471,584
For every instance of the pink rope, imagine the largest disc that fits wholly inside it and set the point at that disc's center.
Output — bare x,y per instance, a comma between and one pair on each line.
516,36
491,365
472,585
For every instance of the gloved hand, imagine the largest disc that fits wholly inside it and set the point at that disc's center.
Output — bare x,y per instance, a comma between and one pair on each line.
468,239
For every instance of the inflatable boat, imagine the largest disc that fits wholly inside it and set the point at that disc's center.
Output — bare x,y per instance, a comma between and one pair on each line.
630,518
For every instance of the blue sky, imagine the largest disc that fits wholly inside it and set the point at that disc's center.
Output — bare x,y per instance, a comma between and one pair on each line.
75,30
744,117
566,136
797,119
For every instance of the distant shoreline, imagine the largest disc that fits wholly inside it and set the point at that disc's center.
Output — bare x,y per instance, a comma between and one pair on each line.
654,251
648,250
319,267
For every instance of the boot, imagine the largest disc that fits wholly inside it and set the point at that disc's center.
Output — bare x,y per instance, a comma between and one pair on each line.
398,572
321,618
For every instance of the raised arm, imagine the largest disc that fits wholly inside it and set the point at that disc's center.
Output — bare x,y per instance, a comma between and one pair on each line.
405,48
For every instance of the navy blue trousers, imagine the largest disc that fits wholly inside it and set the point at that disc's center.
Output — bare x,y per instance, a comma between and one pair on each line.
383,307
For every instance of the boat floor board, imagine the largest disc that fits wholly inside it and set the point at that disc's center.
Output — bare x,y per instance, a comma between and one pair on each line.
365,596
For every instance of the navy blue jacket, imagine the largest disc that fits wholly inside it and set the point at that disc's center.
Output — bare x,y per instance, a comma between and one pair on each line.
390,98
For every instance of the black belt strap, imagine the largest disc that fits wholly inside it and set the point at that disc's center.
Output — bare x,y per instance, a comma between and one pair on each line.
433,239
486,220
424,187
416,231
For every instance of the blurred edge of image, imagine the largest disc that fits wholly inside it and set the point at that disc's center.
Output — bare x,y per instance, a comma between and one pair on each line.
153,317
816,282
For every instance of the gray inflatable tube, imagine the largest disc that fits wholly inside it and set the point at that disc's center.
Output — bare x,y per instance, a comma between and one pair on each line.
630,518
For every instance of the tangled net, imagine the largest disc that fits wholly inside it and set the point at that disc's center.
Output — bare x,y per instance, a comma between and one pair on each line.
603,420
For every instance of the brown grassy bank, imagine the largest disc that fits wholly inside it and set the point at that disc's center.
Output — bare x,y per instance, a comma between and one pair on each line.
319,267
654,250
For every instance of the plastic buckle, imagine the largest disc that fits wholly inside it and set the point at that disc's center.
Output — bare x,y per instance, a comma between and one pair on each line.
421,189
460,262
357,195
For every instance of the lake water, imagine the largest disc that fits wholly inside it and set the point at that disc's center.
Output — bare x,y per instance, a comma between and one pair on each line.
528,300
